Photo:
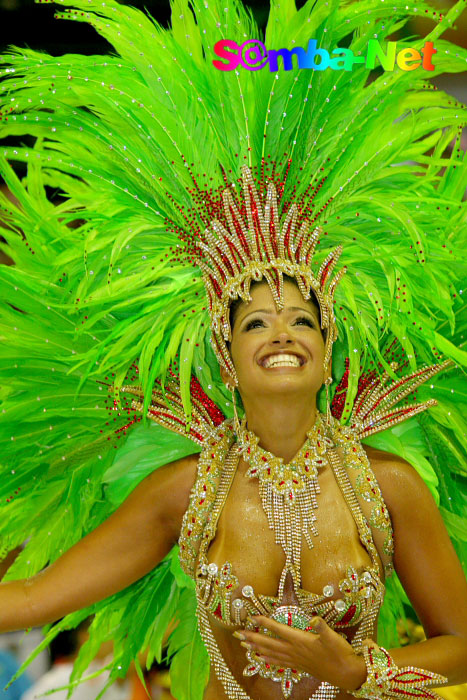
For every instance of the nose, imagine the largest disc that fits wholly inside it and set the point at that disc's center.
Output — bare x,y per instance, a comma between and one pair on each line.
281,336
282,339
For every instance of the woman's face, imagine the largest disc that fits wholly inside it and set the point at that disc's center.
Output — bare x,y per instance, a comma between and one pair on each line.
277,352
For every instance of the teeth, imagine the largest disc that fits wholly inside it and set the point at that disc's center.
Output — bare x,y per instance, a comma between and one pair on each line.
282,360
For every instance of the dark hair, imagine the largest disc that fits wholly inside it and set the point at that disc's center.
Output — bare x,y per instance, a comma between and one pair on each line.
235,305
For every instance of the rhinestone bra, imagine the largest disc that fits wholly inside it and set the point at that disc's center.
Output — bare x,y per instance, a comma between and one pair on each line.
352,606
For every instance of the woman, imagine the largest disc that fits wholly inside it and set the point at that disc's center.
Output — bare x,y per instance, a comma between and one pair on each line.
279,397
294,554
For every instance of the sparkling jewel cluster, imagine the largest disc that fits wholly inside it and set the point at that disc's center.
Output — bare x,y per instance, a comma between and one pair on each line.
376,409
216,586
288,491
367,488
197,525
385,680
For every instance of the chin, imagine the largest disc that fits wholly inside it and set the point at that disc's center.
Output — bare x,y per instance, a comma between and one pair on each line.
284,383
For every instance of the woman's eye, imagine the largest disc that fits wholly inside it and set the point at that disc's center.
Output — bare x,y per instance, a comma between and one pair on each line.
254,323
304,321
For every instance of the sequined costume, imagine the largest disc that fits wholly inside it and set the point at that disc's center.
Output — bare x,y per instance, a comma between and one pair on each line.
107,369
353,608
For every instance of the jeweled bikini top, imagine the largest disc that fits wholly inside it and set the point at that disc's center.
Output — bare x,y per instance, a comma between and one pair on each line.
355,604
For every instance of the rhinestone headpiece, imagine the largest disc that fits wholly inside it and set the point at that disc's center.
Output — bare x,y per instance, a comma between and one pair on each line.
252,244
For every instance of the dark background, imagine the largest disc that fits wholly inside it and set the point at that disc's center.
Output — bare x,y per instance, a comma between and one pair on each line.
24,23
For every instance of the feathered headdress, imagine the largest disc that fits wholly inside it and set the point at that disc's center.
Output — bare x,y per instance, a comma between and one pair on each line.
251,243
144,146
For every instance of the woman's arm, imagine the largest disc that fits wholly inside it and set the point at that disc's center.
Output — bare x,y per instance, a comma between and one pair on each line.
428,568
124,548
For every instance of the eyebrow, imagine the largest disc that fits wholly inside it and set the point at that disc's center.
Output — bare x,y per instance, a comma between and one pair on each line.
270,313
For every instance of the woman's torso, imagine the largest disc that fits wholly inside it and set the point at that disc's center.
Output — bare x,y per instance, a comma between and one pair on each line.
243,538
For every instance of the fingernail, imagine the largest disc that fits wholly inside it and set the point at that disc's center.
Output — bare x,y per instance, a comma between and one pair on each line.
251,619
239,635
246,645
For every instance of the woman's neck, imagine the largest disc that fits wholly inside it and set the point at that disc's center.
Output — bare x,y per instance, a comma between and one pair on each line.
281,424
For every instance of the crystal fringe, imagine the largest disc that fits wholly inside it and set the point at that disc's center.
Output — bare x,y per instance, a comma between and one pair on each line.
288,491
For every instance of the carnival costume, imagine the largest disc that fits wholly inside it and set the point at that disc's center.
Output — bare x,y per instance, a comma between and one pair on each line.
178,179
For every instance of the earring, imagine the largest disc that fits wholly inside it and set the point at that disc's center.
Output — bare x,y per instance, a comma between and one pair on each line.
327,384
231,388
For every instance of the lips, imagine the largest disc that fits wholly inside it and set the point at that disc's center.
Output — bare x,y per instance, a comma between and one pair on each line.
283,359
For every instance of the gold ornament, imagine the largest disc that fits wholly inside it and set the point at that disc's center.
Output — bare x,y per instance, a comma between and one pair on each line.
385,680
327,384
240,249
288,491
360,594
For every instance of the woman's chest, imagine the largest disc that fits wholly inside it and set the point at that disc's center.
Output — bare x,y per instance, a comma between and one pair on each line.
243,538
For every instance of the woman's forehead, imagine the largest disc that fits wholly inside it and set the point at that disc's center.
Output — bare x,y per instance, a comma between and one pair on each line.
262,298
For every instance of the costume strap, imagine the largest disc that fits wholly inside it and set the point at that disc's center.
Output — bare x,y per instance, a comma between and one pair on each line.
367,493
203,497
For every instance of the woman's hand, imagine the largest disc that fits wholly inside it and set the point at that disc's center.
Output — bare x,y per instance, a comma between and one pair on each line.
322,653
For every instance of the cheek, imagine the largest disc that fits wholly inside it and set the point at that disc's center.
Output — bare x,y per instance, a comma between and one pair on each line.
236,350
320,344
242,350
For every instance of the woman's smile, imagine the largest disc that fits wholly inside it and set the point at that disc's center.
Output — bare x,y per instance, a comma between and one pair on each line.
281,360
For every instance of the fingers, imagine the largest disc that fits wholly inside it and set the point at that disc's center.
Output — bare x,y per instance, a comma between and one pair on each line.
280,648
275,656
262,643
284,631
319,626
271,625
317,650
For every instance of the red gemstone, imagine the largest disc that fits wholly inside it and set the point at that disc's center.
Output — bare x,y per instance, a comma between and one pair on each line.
348,615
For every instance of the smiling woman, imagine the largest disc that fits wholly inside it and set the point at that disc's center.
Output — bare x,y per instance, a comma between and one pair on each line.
279,361
218,213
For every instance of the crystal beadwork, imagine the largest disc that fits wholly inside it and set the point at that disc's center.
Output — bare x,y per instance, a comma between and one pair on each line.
340,605
288,491
353,609
266,248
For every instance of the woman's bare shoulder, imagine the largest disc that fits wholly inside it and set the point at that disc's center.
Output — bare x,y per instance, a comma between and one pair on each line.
424,557
398,480
173,483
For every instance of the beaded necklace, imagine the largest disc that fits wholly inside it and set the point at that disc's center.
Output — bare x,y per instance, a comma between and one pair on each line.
288,491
